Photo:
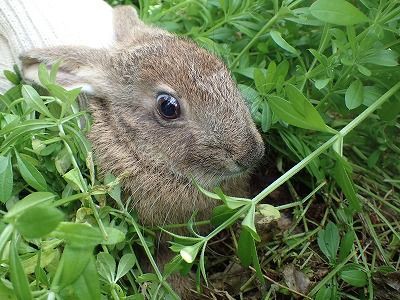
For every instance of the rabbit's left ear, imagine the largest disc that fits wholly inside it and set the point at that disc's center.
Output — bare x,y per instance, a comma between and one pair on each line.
80,66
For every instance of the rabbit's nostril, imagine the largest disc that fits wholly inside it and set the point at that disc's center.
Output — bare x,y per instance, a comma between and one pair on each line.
252,156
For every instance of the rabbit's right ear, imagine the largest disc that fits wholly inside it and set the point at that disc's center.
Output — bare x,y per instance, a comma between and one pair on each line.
125,18
80,66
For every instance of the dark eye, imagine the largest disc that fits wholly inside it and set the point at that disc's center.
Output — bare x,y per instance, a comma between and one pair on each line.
168,106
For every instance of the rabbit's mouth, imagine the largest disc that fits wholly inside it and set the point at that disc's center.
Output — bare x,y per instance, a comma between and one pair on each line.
211,178
235,169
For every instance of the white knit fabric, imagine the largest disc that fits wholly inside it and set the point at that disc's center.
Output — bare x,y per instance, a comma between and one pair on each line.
28,24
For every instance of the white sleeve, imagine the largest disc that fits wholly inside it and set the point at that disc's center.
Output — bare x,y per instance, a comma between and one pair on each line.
6,63
27,24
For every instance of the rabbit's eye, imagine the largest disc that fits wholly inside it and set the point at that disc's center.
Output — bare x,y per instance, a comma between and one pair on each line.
168,106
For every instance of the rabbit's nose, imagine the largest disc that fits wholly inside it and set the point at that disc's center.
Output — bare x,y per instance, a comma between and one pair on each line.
253,152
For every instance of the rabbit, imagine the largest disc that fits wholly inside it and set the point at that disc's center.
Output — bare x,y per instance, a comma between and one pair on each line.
166,112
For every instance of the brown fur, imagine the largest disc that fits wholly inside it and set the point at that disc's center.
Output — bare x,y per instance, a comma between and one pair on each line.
214,141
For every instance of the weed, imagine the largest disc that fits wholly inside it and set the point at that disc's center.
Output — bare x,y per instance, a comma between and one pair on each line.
322,81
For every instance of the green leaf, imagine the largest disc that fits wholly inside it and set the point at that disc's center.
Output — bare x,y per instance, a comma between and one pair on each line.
280,41
173,265
248,72
30,174
346,245
114,236
38,221
390,110
78,235
41,259
220,214
73,178
205,192
321,83
231,202
6,178
387,58
12,77
115,193
10,119
374,158
351,36
300,102
189,253
23,131
256,263
297,146
7,293
342,177
338,12
33,99
80,141
285,111
62,161
249,222
73,262
41,276
328,241
353,275
30,201
260,81
43,73
17,275
325,293
106,265
281,72
371,94
345,214
354,94
202,264
90,165
68,97
320,57
125,264
269,212
244,252
87,285
297,111
54,70
266,117
363,70
270,76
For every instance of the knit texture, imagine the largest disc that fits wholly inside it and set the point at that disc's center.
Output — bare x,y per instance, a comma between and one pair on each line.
28,24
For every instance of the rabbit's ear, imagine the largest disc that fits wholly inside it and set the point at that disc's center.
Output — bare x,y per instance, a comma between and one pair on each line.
80,66
125,18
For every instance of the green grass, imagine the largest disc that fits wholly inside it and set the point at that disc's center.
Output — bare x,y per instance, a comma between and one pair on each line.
322,82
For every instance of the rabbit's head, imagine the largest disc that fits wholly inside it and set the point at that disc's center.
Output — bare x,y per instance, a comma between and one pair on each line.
165,112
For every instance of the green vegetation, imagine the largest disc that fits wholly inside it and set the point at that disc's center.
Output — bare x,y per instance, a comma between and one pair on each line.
323,83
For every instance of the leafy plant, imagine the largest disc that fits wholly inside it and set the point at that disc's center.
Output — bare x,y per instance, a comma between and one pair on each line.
312,73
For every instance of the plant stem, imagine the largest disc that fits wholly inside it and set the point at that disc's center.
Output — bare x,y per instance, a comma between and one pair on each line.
5,237
83,183
299,166
349,127
70,199
269,24
147,250
361,117
331,274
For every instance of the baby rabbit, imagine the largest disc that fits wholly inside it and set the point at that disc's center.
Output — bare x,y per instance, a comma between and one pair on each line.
165,112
